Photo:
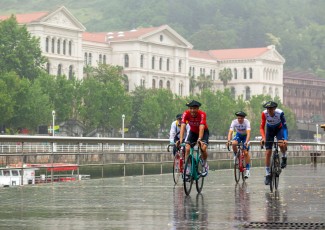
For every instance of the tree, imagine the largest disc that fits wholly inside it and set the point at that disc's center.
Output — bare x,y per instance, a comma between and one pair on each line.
204,82
19,51
225,76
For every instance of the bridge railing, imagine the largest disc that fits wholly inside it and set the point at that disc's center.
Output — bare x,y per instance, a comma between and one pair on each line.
104,157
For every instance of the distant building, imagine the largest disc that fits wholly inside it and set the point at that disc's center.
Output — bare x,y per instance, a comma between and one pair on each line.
155,57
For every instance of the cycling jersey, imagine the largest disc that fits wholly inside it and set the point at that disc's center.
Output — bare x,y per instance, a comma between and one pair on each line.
175,129
240,128
195,122
275,125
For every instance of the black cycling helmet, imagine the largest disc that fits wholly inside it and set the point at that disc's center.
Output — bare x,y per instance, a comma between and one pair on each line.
270,104
240,114
193,103
179,116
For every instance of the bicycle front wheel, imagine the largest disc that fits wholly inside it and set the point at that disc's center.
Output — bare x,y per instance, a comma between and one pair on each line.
188,175
200,180
275,162
176,168
236,168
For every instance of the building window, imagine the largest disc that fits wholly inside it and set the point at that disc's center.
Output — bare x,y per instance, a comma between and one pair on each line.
168,85
126,60
247,93
70,48
160,63
59,47
100,59
233,92
104,59
70,72
142,82
153,83
53,42
64,46
193,72
160,84
180,66
250,73
48,67
161,37
153,63
85,59
235,73
167,65
141,61
47,45
214,75
180,89
245,73
89,58
190,71
59,69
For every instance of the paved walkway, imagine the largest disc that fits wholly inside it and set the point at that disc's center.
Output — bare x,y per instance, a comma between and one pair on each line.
153,202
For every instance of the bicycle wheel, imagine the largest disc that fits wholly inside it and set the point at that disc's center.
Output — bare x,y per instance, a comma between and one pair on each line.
236,168
275,163
188,175
277,171
200,180
176,168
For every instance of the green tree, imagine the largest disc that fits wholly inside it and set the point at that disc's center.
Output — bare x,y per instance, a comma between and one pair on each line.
225,76
204,82
19,51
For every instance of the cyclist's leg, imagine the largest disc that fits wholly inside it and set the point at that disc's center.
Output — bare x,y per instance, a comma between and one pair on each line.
204,147
268,152
283,148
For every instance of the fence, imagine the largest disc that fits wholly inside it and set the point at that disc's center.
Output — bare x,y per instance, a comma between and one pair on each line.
102,157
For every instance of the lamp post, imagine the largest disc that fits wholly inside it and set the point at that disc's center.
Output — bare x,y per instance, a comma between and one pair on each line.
317,133
123,118
53,122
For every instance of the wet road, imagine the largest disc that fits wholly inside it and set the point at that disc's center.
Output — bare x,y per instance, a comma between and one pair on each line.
152,202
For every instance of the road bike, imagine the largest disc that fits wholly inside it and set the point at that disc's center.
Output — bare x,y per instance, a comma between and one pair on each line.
275,168
193,169
239,162
177,162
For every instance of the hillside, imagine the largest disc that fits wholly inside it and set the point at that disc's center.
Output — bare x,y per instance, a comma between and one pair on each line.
296,27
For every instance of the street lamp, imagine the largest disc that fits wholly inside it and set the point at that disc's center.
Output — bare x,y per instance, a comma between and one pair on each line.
317,133
123,118
53,121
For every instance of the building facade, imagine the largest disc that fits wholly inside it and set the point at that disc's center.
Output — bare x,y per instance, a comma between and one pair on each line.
155,57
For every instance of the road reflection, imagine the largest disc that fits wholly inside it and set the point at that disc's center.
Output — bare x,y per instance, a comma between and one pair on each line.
276,209
242,202
189,213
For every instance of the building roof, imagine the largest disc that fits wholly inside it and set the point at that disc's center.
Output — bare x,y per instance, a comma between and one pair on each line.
303,75
104,37
27,18
201,54
235,54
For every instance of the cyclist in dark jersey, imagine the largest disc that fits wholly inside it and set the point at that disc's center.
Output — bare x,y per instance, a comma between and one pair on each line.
276,126
199,131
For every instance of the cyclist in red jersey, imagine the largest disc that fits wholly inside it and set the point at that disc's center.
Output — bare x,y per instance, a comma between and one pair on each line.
199,131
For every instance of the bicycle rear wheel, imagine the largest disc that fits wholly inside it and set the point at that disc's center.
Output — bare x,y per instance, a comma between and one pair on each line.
236,168
176,168
200,180
188,175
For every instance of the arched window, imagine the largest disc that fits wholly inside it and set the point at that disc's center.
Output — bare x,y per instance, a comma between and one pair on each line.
47,45
100,59
70,72
190,71
250,73
64,48
160,63
126,60
48,67
104,59
180,66
70,48
89,58
180,89
59,69
126,83
247,93
153,83
58,48
141,61
245,73
235,73
142,82
160,84
193,71
168,85
53,43
167,64
153,63
85,59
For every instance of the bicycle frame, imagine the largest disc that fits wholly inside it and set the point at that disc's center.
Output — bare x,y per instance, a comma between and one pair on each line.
239,164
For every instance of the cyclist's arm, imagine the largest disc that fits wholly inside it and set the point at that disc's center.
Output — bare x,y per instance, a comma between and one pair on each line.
284,126
230,135
172,132
187,131
248,137
201,131
262,126
181,134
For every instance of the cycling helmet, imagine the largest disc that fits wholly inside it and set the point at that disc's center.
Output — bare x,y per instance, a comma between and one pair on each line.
193,103
270,104
240,114
179,116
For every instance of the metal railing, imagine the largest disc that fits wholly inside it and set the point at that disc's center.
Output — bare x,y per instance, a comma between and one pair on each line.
106,154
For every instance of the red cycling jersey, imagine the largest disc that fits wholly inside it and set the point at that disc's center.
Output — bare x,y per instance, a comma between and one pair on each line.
195,122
